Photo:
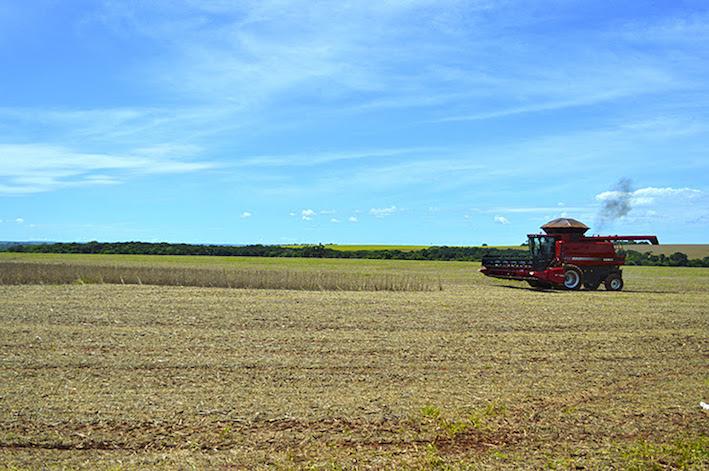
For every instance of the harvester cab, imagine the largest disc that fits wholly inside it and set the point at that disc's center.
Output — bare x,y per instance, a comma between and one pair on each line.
542,249
565,258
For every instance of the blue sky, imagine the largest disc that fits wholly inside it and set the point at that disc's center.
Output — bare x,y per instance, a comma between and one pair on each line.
402,121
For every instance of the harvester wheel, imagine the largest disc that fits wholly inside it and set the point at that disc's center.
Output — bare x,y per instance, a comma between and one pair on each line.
614,282
572,278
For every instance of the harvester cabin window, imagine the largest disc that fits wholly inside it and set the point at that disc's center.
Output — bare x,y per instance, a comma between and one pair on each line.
542,247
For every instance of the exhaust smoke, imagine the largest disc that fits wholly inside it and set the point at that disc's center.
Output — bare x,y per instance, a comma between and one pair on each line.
616,203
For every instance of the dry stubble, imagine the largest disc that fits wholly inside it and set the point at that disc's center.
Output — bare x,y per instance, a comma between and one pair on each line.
480,373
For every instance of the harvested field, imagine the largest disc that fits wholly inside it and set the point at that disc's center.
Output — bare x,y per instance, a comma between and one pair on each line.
483,374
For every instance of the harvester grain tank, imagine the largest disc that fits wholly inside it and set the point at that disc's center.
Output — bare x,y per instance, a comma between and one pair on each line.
563,257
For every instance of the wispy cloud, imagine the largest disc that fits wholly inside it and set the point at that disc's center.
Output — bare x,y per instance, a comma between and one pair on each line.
246,215
33,168
383,212
501,220
539,106
307,214
251,54
322,158
650,195
275,62
131,126
668,30
264,48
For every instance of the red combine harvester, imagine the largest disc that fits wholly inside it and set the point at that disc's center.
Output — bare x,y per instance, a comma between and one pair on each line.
565,258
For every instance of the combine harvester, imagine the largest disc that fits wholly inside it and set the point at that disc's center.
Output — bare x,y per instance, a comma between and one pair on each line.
565,258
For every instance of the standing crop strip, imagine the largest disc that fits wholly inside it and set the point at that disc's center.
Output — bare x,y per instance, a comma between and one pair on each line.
18,273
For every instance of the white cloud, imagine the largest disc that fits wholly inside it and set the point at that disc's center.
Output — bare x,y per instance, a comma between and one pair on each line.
650,195
652,192
334,220
307,214
292,214
352,219
383,212
607,195
35,168
501,220
19,221
245,215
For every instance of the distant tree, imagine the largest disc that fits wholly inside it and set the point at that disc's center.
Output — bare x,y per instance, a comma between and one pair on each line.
678,259
314,251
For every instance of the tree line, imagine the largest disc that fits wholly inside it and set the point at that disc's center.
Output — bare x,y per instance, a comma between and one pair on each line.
443,253
307,251
677,259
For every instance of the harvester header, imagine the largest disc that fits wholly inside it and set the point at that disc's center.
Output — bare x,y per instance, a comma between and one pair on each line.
564,257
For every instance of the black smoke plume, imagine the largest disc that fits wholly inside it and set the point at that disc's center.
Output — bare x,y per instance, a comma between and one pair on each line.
617,205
